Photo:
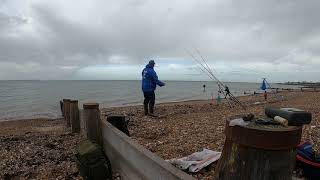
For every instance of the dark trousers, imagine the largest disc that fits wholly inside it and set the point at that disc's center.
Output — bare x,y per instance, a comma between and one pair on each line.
149,100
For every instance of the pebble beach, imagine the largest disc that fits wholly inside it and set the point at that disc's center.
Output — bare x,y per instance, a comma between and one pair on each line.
186,127
44,148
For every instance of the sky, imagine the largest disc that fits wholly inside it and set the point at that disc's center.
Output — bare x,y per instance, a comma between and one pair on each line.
113,40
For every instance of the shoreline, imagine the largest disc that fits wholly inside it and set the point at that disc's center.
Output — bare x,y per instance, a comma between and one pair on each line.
121,106
26,104
30,119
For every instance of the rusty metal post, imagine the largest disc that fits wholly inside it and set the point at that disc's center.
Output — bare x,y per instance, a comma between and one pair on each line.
92,120
74,116
66,111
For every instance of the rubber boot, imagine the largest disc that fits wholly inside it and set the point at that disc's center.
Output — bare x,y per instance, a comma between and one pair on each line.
151,108
146,112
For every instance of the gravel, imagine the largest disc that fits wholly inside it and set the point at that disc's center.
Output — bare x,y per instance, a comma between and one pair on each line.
186,127
44,149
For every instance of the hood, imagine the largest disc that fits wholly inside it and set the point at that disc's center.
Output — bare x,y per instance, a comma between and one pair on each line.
149,66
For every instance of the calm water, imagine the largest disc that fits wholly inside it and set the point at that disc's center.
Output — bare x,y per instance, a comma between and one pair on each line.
32,99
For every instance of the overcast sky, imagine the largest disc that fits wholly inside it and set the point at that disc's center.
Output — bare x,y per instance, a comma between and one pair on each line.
114,39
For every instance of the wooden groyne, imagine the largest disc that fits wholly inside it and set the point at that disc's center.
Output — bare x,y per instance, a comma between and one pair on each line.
127,157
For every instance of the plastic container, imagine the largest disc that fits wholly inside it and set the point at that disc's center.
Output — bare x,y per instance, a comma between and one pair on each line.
311,170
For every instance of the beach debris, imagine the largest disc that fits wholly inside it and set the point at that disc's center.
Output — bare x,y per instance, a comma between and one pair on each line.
295,117
266,121
312,127
238,122
248,117
196,161
116,176
281,120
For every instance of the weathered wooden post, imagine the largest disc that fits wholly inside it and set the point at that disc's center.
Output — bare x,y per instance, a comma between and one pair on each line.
258,152
74,116
91,115
83,123
66,111
61,108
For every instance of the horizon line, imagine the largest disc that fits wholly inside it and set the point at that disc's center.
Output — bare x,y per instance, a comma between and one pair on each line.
140,80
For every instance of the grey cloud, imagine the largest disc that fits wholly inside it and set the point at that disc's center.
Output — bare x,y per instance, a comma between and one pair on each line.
111,32
7,22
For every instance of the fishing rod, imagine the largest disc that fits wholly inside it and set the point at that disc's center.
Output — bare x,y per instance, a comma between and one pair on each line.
203,60
197,50
208,70
208,67
210,75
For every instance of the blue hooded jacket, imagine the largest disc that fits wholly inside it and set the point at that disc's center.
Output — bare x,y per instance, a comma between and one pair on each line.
150,79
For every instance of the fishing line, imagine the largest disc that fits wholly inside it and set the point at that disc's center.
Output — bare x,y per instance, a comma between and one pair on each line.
208,71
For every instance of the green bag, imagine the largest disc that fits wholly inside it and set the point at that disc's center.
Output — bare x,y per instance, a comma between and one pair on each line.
92,162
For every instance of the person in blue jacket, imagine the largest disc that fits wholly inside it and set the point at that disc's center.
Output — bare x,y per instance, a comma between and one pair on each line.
149,83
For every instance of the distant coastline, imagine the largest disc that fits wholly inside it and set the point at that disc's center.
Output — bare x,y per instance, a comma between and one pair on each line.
303,84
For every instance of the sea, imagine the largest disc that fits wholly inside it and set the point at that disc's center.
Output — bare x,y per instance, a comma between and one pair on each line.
40,99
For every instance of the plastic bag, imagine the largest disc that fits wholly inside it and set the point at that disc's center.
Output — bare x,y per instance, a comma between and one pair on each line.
238,122
196,161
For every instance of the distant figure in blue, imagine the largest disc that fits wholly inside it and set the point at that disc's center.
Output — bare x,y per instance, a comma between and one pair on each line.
149,83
